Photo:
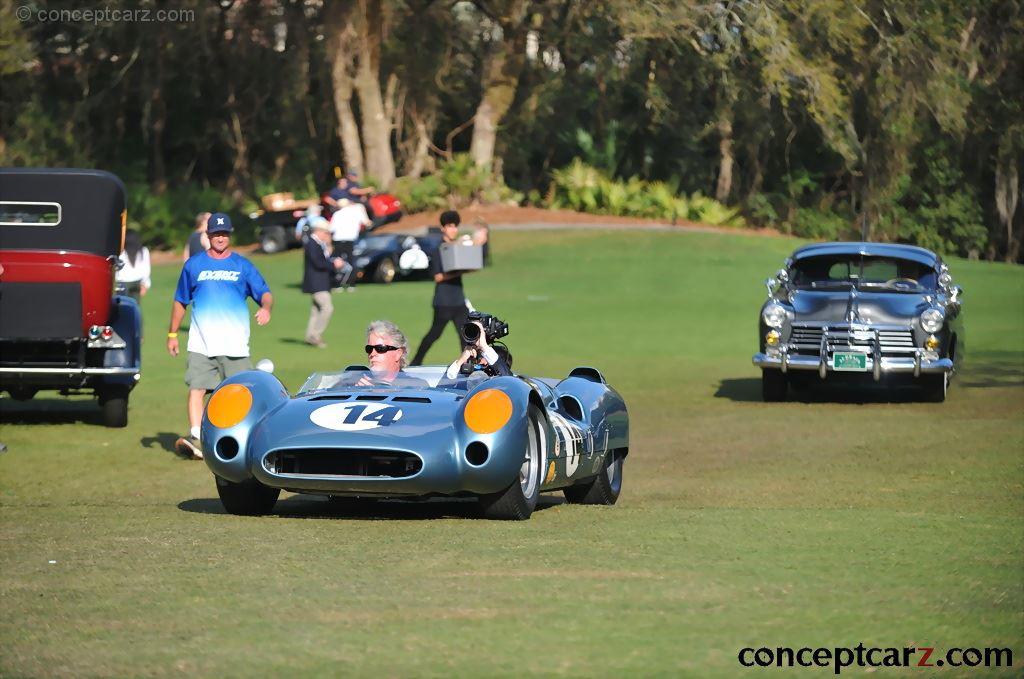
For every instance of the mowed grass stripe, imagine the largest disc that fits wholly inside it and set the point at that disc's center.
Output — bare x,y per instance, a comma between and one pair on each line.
826,522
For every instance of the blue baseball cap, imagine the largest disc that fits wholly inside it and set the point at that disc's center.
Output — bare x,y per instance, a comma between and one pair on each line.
219,223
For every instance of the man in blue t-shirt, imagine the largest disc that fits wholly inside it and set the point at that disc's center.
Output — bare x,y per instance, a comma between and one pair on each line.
217,284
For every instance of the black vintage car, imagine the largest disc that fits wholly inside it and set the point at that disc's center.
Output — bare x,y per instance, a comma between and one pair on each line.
861,312
383,257
61,325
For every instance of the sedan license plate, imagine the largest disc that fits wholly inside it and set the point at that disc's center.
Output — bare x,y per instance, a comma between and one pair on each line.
843,361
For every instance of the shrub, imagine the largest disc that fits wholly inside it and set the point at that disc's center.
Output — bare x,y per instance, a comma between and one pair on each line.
821,225
165,220
583,188
420,195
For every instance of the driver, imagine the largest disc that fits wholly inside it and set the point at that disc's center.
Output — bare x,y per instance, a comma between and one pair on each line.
495,361
387,353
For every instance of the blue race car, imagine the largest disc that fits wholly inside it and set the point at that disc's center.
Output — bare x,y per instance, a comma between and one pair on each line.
503,440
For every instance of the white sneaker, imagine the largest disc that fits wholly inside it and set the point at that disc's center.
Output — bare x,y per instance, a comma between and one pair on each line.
189,448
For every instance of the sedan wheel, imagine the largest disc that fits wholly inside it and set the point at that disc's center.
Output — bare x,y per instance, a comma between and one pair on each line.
385,271
774,385
517,502
935,387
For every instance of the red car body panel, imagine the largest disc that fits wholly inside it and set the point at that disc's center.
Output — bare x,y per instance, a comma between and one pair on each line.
94,273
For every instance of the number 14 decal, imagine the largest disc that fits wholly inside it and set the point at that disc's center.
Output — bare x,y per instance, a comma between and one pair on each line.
355,416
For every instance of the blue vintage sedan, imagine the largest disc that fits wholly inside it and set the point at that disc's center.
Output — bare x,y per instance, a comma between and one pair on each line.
869,312
502,440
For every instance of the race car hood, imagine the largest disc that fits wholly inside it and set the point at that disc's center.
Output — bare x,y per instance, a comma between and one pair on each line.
401,419
857,306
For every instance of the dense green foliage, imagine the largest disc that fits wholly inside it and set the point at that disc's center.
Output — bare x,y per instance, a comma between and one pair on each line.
832,521
816,117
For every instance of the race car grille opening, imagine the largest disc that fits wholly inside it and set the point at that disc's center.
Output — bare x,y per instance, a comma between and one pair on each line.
392,464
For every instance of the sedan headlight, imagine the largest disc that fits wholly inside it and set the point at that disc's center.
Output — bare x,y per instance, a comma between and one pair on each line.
932,319
774,315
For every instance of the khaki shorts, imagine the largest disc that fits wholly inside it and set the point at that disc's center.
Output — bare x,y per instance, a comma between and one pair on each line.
206,372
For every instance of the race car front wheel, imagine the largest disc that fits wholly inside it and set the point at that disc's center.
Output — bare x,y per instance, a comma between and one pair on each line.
517,502
248,498
603,489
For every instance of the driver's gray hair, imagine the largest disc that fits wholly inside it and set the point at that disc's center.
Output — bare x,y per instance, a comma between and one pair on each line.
391,331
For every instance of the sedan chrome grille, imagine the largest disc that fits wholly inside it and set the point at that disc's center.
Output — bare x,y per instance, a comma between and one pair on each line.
892,341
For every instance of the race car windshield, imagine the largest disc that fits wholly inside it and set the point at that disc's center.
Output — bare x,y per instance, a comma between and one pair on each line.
839,272
412,378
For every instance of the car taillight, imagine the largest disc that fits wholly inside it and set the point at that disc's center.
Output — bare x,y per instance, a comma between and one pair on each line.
94,332
107,332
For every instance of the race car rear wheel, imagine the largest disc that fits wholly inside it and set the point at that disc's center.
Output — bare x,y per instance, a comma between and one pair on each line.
517,502
603,489
248,498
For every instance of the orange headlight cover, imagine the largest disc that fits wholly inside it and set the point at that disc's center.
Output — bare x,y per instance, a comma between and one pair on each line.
488,411
229,405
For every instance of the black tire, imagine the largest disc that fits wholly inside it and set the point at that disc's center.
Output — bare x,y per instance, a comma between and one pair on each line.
22,393
248,498
114,401
935,387
272,239
773,385
517,502
603,489
385,271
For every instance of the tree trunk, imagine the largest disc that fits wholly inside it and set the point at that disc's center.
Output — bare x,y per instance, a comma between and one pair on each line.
341,49
424,127
380,162
726,159
1006,194
500,79
157,119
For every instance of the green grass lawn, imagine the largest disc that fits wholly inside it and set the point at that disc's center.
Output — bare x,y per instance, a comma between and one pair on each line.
826,522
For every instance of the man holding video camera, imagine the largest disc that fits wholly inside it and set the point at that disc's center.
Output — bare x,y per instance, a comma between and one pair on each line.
478,334
449,300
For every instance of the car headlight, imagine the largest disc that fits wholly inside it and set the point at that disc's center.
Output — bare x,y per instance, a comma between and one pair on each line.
229,405
362,261
932,319
774,315
488,411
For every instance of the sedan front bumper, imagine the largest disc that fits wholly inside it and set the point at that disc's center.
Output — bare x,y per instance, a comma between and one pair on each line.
878,366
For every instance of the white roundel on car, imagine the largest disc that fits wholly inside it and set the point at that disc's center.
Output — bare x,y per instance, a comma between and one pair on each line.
355,416
413,259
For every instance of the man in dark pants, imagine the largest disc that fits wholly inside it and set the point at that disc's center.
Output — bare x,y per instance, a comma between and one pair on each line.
449,300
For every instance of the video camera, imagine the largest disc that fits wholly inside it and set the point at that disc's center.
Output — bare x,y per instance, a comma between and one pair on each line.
494,328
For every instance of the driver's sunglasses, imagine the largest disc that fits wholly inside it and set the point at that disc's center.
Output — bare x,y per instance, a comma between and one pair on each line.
379,348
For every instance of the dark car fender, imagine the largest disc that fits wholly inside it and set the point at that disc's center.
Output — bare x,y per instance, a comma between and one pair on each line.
126,320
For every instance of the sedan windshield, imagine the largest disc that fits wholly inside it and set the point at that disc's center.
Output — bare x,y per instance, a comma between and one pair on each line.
375,243
863,272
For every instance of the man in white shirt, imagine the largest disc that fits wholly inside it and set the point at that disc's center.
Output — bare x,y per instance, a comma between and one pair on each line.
346,224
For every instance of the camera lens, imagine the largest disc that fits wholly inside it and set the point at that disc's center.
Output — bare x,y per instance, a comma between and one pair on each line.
471,332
